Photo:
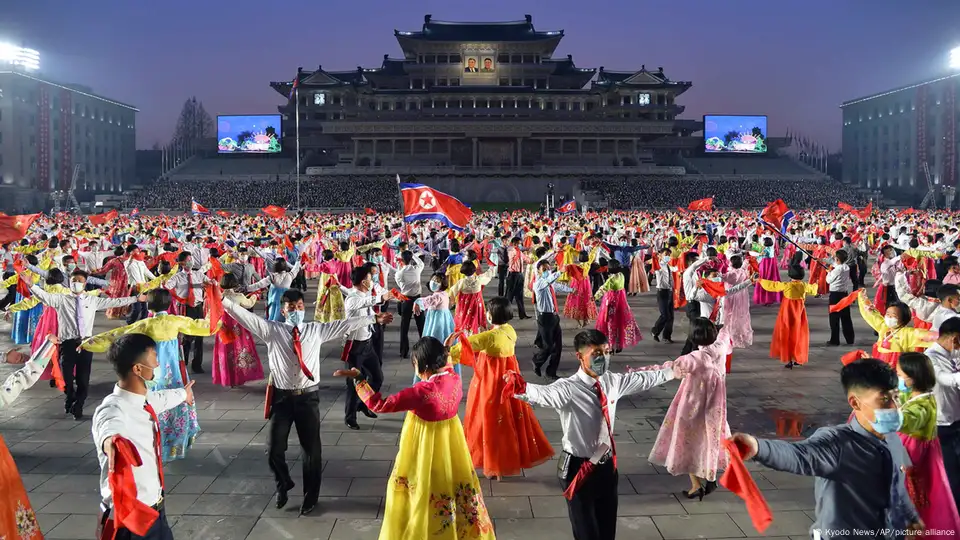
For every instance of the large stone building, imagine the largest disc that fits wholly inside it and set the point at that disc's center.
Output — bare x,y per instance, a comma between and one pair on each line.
47,129
476,97
887,138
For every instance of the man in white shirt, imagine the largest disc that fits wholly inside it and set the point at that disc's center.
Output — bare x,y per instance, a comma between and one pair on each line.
889,266
362,351
933,312
945,356
663,281
130,413
693,308
137,275
587,403
187,285
75,317
408,280
840,286
294,398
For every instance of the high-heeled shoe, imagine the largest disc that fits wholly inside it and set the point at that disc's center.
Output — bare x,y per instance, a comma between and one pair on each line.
698,494
710,487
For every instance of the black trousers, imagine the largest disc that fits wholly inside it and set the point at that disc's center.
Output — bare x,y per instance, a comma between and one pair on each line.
302,411
377,342
193,343
160,530
138,312
693,312
514,292
950,444
406,313
502,273
299,282
840,318
593,508
664,324
81,361
551,342
892,297
363,357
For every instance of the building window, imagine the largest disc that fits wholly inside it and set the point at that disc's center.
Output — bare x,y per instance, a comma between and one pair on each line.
454,58
441,59
516,82
455,81
430,59
643,99
504,81
503,58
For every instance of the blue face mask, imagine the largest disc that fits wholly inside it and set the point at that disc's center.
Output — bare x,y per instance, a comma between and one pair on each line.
902,386
295,317
434,286
151,383
887,420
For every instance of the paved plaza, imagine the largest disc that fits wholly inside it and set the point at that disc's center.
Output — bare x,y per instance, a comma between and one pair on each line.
223,489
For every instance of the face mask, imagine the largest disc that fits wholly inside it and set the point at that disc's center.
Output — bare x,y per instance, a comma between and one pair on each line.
150,383
715,279
71,267
489,319
434,286
891,322
378,259
295,317
887,420
902,385
77,286
599,364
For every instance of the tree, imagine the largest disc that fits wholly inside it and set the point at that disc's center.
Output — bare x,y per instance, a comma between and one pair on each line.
243,136
757,132
194,124
730,136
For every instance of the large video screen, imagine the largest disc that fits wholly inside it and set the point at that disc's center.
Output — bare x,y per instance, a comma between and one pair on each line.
735,134
248,134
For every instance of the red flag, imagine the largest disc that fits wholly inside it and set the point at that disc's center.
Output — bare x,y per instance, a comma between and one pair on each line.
287,243
704,205
223,213
844,206
214,305
422,202
216,269
906,212
853,356
714,288
738,480
274,211
773,213
14,228
369,211
100,219
865,213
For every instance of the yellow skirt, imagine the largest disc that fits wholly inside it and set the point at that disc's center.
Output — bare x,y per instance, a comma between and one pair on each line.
453,276
434,491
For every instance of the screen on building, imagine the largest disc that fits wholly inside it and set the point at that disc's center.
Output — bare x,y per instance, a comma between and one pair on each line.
249,134
735,134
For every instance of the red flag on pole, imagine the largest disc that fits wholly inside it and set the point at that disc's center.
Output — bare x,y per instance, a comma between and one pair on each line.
274,211
704,205
14,228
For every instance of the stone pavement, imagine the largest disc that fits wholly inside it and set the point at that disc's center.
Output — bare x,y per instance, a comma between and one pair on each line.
224,490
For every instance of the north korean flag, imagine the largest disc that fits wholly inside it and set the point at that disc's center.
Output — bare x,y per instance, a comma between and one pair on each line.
198,209
568,207
423,202
135,213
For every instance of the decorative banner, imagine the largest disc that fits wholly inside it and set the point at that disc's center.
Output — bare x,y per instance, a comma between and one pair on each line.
950,144
921,131
43,136
66,138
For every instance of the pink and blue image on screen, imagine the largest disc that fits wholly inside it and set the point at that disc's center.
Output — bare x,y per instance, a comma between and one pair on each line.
248,134
735,134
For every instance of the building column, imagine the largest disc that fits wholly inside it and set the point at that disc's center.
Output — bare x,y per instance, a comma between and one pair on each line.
373,160
356,150
430,146
476,157
561,146
519,151
616,150
579,148
411,145
636,155
393,148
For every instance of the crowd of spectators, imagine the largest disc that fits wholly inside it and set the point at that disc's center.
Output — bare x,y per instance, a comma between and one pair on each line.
378,193
671,192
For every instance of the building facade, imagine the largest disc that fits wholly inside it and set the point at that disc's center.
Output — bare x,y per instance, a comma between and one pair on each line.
48,129
484,95
888,137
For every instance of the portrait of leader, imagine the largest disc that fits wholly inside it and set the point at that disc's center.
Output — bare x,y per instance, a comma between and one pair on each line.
471,65
487,64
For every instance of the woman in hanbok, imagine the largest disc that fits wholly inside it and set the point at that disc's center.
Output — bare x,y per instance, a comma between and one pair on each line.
119,287
235,357
895,336
638,274
926,479
791,333
25,321
18,521
278,282
48,324
329,306
763,296
691,436
614,317
178,426
433,491
580,305
504,437
736,307
452,264
471,316
438,321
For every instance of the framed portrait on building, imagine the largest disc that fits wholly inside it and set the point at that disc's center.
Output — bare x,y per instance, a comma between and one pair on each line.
487,65
471,64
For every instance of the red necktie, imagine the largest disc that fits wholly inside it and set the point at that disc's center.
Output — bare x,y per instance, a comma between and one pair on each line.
190,297
156,440
606,418
556,306
299,350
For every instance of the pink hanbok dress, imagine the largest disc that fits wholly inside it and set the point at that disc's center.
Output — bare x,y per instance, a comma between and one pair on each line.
614,317
769,272
736,309
690,439
235,357
638,275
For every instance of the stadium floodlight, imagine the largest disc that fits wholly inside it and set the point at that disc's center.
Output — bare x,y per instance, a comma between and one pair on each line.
28,59
955,58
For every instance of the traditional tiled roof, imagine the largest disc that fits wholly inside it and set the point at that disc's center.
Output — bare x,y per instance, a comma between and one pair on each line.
479,31
640,79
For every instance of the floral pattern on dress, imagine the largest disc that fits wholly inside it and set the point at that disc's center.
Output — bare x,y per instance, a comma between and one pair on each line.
464,510
27,525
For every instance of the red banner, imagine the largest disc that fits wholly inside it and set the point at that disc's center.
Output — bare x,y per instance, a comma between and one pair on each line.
43,140
66,138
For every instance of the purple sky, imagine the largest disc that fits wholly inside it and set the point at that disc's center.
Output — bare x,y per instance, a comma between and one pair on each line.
793,61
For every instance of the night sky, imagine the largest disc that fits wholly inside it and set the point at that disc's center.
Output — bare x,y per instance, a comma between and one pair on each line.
794,61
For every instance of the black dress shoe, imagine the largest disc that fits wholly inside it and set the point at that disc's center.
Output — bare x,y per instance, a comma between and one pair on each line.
668,340
656,337
307,507
352,424
68,408
197,369
369,414
536,369
832,344
77,414
281,499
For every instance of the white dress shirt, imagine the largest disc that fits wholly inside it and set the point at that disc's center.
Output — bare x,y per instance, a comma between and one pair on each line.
838,278
278,336
122,413
927,310
137,272
947,389
889,269
76,312
181,282
408,278
280,280
360,304
585,433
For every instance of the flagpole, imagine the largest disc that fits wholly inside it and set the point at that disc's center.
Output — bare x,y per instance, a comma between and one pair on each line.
400,194
296,95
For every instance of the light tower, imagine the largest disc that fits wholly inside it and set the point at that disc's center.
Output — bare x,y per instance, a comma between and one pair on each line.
19,57
954,61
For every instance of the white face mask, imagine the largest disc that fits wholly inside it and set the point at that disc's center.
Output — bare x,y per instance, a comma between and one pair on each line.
295,317
77,286
434,286
891,322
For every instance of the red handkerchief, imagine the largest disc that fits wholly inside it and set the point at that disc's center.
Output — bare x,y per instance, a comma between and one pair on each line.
846,302
738,480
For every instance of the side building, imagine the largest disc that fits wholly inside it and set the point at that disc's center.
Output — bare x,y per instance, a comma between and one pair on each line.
48,129
889,136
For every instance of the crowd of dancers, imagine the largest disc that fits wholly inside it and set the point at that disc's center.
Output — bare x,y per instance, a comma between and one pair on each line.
240,280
